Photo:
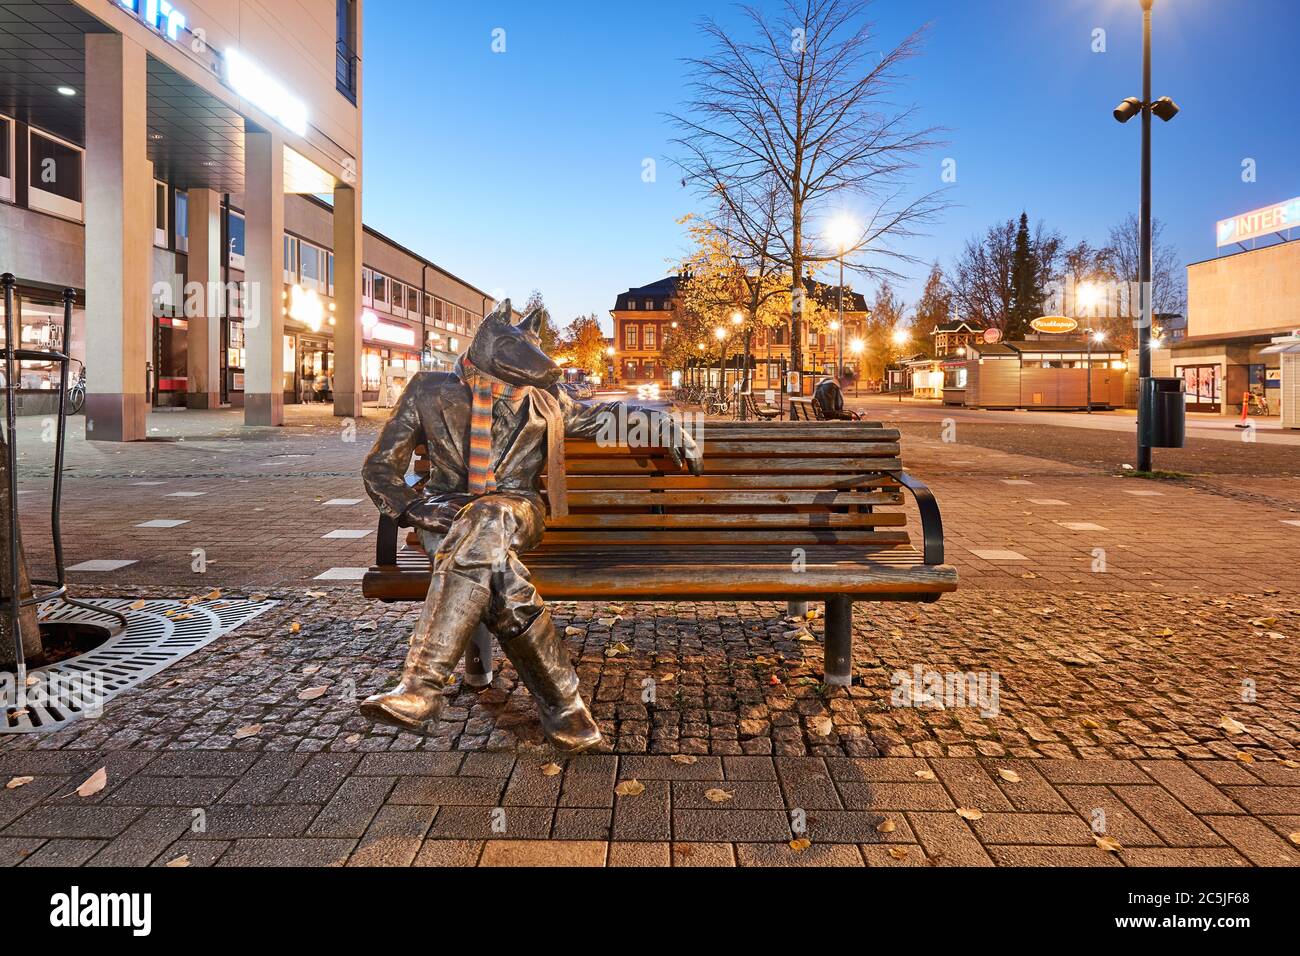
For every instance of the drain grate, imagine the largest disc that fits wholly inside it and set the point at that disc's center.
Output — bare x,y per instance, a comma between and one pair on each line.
158,634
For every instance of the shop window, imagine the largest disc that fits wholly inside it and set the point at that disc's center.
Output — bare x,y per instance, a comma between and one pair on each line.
236,241
54,176
182,221
160,214
235,346
290,260
310,269
6,159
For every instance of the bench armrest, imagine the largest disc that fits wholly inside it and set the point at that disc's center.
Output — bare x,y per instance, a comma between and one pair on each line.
386,541
931,520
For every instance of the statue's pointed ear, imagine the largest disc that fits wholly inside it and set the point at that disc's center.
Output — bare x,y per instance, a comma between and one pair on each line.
502,313
534,321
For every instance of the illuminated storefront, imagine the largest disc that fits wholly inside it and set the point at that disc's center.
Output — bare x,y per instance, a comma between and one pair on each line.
1051,373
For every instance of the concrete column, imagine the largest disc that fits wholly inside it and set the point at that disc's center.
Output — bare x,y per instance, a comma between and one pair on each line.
264,255
347,302
118,203
204,300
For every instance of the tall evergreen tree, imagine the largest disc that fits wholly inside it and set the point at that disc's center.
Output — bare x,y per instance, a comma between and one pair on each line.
1025,294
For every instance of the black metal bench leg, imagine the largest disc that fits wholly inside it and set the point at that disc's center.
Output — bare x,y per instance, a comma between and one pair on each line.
839,641
796,608
478,659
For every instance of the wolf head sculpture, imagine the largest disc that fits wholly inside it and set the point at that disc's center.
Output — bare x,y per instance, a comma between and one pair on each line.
513,353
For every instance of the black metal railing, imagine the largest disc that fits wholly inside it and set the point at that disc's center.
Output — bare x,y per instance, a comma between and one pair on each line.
345,69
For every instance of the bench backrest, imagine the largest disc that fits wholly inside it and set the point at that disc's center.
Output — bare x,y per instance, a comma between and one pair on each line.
778,483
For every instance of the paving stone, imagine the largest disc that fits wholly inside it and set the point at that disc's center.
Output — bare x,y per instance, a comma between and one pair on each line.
912,855
91,822
896,796
1106,814
639,854
1190,788
969,785
633,767
1183,857
745,795
806,783
145,791
1031,793
748,768
688,854
394,837
530,787
449,791
1264,799
1224,772
230,822
1092,771
581,823
350,810
550,853
876,770
13,850
645,817
200,763
477,822
1169,818
780,854
440,852
1255,841
312,851
718,826
947,840
1043,829
1051,856
60,853
418,763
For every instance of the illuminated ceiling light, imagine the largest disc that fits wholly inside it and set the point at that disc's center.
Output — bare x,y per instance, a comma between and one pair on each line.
257,86
67,91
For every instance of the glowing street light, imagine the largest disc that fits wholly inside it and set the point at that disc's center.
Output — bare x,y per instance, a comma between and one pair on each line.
843,231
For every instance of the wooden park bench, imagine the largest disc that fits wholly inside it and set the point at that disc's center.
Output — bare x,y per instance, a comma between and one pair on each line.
783,512
807,410
757,412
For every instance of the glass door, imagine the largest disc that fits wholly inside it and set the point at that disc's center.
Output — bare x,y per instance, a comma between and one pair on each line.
1204,387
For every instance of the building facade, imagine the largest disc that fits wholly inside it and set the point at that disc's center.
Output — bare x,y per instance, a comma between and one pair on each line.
1236,305
646,316
193,171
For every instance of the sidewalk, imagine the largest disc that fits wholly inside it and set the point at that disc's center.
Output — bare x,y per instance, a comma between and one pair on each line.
1142,637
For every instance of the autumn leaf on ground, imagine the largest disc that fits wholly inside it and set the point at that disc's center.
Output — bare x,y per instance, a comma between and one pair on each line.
822,726
1232,726
718,795
252,730
608,621
137,606
1089,723
295,627
313,669
213,595
181,861
551,769
1244,757
312,693
1290,764
96,782
898,852
630,788
1164,632
684,759
572,631
801,844
17,782
1264,621
1010,776
969,813
352,739
365,626
924,774
614,650
257,598
668,678
1109,844
886,826
1294,837
316,594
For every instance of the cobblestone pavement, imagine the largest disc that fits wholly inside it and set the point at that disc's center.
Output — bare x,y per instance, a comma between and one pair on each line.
1145,672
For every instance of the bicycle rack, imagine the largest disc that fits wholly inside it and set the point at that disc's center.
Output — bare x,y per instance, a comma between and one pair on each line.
59,586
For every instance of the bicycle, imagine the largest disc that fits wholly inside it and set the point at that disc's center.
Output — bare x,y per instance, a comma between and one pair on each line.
77,390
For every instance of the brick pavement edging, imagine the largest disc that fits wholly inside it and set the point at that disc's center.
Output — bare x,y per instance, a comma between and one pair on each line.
421,808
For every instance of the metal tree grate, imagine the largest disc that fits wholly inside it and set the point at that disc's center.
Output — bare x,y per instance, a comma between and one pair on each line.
158,634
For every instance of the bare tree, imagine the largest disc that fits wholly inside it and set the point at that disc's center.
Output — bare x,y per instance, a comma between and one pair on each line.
1168,279
803,102
983,278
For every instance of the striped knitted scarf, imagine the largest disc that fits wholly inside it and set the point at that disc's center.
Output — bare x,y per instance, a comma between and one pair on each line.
485,389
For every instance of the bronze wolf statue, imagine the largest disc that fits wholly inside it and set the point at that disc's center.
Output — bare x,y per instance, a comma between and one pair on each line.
489,427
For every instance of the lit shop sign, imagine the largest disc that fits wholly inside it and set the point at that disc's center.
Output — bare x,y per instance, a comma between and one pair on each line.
1260,222
386,331
262,90
1054,324
159,14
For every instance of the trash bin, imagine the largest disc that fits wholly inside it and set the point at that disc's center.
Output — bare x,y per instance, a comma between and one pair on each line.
1165,425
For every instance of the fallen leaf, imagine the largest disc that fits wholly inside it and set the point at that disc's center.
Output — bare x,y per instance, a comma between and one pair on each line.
718,795
924,774
1264,621
1244,757
181,861
1275,635
1232,726
551,769
1090,723
608,621
898,852
572,631
1010,776
316,594
886,826
137,606
312,693
214,595
1109,844
365,626
258,598
630,788
616,649
800,844
1294,837
96,782
352,739
969,813
252,730
822,726
667,678
17,782
684,759
1290,764
1165,632
313,669
295,627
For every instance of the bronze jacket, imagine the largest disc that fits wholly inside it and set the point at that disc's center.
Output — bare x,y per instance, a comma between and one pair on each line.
434,410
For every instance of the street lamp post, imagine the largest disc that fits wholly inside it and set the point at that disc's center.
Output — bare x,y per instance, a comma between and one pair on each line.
1166,109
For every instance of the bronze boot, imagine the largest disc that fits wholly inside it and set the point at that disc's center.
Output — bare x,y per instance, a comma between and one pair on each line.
451,614
544,666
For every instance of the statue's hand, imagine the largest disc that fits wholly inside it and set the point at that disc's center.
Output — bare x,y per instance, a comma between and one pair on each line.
686,454
434,516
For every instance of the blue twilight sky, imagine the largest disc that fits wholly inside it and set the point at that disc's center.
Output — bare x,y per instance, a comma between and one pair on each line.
522,169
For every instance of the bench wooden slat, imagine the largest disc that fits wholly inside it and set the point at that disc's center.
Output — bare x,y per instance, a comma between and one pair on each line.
816,519
744,447
774,482
729,498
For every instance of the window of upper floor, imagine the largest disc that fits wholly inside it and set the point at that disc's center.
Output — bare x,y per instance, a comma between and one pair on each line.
6,159
346,59
55,174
